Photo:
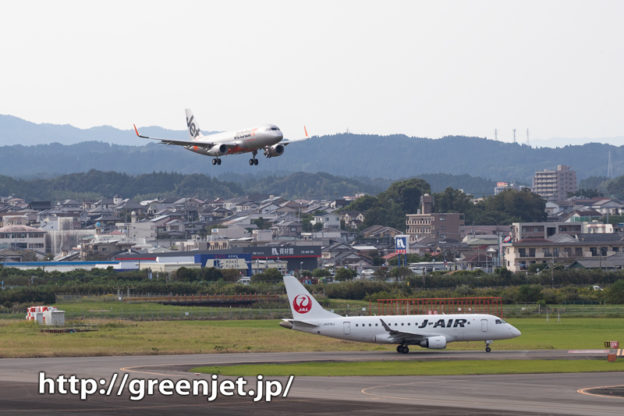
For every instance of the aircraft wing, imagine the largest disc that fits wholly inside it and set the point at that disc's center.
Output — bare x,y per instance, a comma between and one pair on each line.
175,141
401,337
286,142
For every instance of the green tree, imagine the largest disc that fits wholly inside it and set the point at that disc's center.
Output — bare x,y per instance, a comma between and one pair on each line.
230,275
268,276
381,273
406,194
401,273
343,274
615,294
529,293
452,200
321,273
211,274
184,274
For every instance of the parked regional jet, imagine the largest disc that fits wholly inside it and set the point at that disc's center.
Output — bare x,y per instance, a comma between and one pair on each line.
428,331
267,137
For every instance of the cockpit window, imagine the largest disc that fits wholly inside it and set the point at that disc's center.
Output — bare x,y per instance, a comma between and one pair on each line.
500,321
274,128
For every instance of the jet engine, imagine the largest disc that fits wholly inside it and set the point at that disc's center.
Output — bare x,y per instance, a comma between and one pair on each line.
274,151
217,150
437,342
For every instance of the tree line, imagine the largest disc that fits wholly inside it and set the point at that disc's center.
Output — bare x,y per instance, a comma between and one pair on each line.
403,197
562,286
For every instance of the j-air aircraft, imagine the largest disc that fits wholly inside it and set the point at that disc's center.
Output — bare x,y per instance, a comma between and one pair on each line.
427,331
267,137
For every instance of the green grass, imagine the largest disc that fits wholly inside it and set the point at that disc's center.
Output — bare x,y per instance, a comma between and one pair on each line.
108,307
415,368
19,338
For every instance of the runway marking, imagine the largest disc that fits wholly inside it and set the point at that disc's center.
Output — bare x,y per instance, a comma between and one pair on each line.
585,392
428,400
132,370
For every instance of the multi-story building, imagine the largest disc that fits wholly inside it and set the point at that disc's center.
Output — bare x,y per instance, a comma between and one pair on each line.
559,242
554,185
439,226
521,231
564,249
22,237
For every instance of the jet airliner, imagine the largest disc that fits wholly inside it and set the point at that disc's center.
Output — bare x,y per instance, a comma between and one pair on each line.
427,331
267,137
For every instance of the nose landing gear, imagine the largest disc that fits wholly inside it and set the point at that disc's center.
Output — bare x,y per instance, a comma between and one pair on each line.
487,346
216,161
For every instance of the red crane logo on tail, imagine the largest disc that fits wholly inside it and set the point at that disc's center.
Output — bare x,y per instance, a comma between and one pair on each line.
302,304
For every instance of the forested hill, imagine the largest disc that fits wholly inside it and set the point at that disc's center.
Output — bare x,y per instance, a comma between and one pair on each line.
95,184
347,155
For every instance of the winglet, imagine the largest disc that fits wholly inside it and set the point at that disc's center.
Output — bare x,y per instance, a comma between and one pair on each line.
306,131
137,133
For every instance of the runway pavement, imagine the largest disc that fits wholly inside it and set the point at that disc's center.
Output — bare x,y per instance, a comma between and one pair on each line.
459,395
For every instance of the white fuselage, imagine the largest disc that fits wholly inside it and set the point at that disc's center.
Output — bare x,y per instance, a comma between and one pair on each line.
242,141
454,327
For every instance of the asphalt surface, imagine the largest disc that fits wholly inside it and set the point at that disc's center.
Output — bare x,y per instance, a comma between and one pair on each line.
437,395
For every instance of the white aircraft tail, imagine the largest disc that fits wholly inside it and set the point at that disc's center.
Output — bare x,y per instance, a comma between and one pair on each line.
192,124
302,304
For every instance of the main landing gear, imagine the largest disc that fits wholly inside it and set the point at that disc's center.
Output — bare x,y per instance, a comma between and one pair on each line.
487,346
403,349
216,161
253,161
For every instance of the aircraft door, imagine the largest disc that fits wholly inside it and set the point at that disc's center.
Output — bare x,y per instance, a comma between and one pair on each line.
347,328
484,325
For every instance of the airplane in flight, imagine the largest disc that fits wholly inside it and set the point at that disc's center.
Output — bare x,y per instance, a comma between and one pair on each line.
267,137
427,331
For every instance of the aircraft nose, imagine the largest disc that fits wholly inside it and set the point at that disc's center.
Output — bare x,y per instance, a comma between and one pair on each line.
515,332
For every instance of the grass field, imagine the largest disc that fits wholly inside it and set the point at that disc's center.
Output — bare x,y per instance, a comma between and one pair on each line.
19,338
108,307
415,368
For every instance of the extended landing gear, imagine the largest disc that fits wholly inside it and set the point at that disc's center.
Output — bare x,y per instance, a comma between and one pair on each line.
487,346
253,161
403,349
216,161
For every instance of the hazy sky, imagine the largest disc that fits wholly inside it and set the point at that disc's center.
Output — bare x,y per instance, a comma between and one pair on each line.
423,68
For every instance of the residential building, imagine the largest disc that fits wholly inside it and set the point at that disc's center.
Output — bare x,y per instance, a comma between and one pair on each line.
22,237
554,185
521,231
429,225
562,249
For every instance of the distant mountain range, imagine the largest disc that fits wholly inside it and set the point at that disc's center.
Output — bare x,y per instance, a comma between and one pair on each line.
14,130
347,155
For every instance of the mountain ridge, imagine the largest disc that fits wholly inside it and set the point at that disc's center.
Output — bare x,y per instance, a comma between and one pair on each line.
348,155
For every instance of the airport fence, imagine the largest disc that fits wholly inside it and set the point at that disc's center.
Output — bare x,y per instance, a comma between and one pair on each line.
154,312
